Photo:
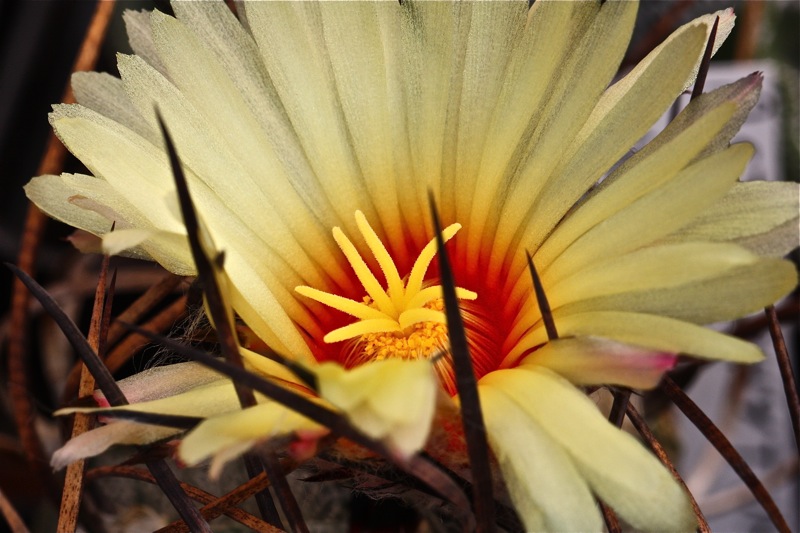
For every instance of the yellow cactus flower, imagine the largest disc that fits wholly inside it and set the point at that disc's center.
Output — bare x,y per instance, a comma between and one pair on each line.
312,133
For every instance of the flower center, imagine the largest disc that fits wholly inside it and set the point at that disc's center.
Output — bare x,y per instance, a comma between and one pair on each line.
403,320
421,340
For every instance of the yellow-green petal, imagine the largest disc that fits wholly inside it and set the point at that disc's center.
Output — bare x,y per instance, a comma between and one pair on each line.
761,216
739,291
648,269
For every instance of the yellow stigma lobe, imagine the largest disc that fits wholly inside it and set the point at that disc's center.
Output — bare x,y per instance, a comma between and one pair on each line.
405,320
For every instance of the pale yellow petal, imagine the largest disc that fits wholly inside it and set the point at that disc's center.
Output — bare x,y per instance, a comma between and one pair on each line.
171,250
98,440
657,267
204,151
495,29
660,333
608,134
240,430
206,400
105,94
392,400
235,49
744,93
584,74
226,455
269,314
139,172
92,204
285,341
529,80
695,281
406,392
398,102
130,164
430,74
547,490
623,115
184,389
727,20
656,214
219,137
597,361
339,383
291,40
617,467
267,367
380,384
166,380
646,170
137,26
60,197
358,65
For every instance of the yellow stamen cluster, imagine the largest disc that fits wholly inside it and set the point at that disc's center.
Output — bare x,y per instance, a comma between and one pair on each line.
423,340
405,320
